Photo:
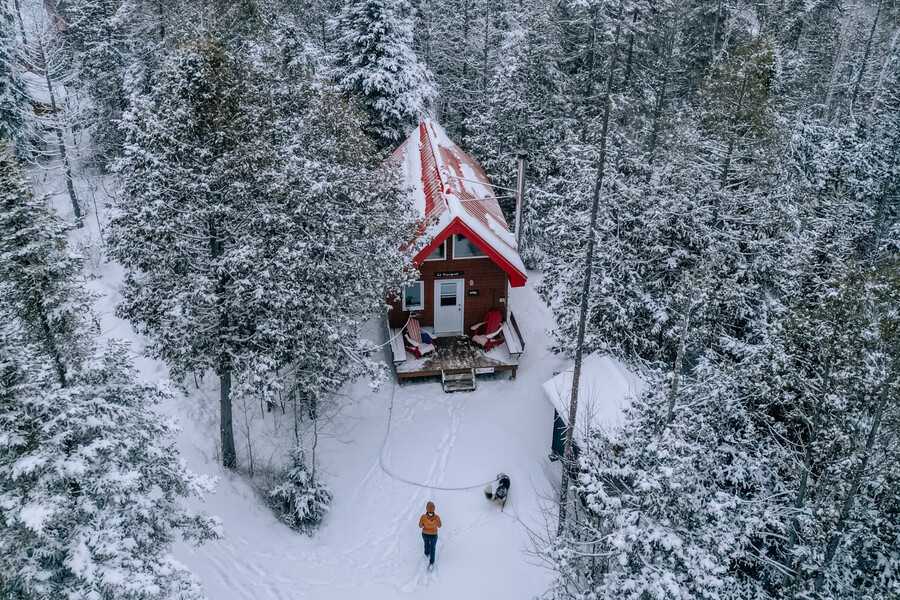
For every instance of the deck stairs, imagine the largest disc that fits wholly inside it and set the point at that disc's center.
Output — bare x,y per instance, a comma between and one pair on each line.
458,382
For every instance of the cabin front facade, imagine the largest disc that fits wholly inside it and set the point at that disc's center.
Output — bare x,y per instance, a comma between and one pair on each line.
458,285
470,260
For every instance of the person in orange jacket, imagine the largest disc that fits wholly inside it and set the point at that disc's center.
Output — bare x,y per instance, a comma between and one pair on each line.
429,523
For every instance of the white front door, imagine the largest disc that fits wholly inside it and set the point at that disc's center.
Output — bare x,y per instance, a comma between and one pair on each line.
448,306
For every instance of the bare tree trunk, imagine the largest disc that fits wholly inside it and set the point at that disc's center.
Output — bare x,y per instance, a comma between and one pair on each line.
847,505
53,349
568,454
627,77
21,23
723,181
800,500
59,136
226,425
836,69
865,60
487,46
465,64
679,362
715,34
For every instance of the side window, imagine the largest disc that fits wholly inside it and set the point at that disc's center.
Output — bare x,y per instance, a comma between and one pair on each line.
414,296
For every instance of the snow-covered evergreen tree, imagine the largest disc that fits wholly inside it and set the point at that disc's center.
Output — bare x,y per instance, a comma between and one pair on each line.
13,99
524,109
376,61
256,233
117,46
91,490
761,481
39,272
301,498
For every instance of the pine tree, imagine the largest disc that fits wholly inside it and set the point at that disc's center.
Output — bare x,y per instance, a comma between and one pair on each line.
526,109
117,46
91,491
39,273
13,99
256,233
376,62
301,499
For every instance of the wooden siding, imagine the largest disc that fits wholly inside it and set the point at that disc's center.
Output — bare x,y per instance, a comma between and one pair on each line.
488,278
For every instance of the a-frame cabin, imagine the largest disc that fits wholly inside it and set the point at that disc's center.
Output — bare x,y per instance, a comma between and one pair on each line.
470,260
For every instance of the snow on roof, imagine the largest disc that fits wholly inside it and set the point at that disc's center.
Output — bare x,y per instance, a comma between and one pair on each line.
606,389
452,194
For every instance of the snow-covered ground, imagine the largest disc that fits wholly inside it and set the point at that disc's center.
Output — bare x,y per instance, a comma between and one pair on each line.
385,454
369,545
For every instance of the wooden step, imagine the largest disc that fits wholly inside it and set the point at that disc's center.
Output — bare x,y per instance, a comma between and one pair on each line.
458,382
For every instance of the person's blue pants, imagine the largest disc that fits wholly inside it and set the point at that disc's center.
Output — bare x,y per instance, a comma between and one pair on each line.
430,544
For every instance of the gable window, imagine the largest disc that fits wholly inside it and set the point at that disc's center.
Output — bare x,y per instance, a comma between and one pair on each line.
440,253
463,248
414,296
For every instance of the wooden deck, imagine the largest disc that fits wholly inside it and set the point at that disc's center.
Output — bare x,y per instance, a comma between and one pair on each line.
459,354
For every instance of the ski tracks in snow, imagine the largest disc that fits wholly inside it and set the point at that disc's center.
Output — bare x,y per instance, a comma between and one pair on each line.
397,549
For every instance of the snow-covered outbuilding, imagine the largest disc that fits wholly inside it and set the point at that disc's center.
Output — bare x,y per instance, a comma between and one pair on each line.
470,259
605,391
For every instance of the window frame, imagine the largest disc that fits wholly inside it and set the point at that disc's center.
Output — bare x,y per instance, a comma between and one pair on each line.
444,246
456,237
421,285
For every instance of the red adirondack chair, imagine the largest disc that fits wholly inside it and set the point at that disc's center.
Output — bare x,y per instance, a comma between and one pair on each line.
493,335
414,338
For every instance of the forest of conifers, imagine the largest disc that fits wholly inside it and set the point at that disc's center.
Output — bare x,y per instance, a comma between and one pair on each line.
746,258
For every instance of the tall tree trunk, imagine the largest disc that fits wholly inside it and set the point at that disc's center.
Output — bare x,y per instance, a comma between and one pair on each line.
836,69
847,505
726,165
226,425
865,60
679,363
224,367
568,454
627,77
487,46
465,65
52,348
800,499
715,34
67,170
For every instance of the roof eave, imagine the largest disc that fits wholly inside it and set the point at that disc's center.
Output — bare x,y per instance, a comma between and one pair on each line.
516,277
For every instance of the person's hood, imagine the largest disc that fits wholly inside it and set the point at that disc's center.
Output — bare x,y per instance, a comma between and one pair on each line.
429,507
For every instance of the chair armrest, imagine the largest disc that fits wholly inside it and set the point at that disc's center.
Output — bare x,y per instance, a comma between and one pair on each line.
493,335
410,340
475,327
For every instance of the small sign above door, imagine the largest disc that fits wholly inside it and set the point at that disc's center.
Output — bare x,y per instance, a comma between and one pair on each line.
448,274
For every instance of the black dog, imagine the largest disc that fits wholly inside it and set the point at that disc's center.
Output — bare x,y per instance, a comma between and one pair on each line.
502,492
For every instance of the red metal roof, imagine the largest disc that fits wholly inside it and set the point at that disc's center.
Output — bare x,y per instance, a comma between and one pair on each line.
453,195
